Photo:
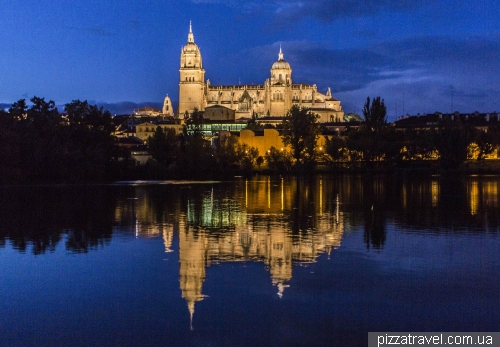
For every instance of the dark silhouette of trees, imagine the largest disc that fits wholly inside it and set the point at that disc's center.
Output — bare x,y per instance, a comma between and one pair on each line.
375,114
232,157
81,114
247,158
336,149
279,160
418,144
196,157
373,130
37,143
90,148
164,146
452,140
300,130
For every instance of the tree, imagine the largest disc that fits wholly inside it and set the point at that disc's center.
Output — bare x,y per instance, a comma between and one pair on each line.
484,141
194,123
247,157
370,134
259,161
163,145
225,151
300,131
197,154
418,144
80,113
452,141
375,114
18,109
279,160
91,147
336,149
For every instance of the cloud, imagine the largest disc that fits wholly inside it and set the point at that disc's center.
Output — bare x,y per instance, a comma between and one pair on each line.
414,73
328,10
325,10
5,106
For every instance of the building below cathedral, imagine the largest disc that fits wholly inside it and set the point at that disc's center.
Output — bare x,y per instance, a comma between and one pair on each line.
273,98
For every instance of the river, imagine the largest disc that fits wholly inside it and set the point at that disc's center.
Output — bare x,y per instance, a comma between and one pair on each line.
267,261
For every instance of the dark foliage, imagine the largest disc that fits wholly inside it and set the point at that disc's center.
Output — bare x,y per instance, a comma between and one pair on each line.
300,130
38,144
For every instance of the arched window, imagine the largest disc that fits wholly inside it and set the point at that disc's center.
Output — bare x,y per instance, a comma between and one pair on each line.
280,78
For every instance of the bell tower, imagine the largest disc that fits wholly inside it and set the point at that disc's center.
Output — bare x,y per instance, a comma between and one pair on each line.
192,77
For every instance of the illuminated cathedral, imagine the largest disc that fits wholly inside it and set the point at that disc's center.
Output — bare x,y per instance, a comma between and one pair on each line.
273,98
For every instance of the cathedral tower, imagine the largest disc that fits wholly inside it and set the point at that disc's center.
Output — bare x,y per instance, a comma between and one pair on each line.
192,77
167,107
280,87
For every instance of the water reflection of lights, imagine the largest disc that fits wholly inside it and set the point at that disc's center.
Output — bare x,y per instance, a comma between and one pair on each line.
434,193
218,228
474,197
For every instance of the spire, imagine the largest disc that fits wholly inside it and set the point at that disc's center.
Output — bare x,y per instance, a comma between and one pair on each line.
190,35
191,313
280,55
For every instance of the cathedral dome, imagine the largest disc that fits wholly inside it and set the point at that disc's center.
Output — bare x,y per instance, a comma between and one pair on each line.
190,47
281,63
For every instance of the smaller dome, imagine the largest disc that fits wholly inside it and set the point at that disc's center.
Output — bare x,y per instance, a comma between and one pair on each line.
281,64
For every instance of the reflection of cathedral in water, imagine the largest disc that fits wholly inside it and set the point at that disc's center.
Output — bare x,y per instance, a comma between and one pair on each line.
287,222
252,223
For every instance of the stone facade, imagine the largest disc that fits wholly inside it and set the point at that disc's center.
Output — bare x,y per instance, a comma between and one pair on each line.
274,98
264,140
146,129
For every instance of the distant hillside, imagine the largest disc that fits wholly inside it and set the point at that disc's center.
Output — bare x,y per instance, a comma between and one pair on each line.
128,107
124,107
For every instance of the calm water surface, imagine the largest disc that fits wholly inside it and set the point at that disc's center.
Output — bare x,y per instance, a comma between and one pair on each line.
266,261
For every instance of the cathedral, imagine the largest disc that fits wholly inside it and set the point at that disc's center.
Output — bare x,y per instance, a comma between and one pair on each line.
232,102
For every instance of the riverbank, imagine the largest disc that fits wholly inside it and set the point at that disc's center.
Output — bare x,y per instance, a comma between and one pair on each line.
427,167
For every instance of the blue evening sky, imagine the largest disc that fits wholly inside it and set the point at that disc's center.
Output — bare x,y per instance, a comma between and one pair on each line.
423,55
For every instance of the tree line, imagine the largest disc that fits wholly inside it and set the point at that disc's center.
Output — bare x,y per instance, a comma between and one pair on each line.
40,144
449,142
374,142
